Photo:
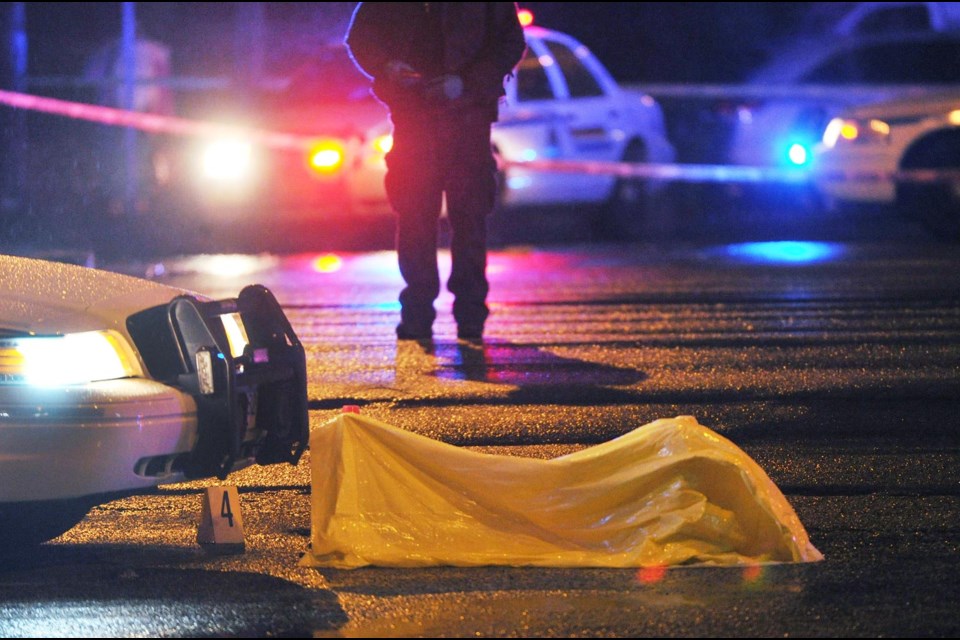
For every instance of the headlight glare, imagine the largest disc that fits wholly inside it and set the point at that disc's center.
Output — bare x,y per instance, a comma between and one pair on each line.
74,358
227,160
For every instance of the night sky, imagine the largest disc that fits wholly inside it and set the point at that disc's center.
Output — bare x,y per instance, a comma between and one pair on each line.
638,41
678,41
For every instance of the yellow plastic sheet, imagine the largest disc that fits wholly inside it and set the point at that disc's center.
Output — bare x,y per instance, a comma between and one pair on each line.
670,492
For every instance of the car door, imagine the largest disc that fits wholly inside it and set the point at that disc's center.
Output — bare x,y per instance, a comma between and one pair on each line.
588,112
548,117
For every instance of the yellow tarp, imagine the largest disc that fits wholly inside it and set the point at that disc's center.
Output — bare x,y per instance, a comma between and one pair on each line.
670,492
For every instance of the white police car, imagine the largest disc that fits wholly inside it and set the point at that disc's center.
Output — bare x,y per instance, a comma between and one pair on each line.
903,152
111,385
565,106
806,84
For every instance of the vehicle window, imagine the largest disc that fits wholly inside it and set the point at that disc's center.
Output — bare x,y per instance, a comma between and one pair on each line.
532,80
580,82
934,62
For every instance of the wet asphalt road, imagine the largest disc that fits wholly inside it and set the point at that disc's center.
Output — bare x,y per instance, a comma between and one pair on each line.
833,364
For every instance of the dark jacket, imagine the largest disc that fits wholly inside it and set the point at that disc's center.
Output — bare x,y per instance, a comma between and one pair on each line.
481,42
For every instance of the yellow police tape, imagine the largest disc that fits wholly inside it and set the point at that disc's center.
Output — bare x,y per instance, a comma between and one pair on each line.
670,492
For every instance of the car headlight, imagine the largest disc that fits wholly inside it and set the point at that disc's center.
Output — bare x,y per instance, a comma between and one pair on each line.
375,150
856,131
227,160
382,144
74,358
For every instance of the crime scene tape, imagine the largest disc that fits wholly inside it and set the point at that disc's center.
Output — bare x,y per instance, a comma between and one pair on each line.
688,172
155,123
150,122
736,173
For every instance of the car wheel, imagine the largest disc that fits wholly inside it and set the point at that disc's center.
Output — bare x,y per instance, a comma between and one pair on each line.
623,215
935,204
28,524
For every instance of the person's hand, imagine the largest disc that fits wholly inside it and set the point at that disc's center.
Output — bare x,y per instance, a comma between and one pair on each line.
445,88
399,72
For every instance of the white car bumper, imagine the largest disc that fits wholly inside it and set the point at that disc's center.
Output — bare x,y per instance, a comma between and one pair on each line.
856,176
77,441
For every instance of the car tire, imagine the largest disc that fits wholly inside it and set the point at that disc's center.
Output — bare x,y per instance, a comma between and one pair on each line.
28,524
623,216
935,204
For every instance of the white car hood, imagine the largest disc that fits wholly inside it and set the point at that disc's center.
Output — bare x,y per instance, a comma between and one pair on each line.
44,297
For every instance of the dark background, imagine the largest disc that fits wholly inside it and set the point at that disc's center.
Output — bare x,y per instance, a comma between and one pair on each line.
639,41
682,41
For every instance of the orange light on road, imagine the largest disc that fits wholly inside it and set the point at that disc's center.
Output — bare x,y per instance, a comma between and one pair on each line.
752,573
526,17
651,575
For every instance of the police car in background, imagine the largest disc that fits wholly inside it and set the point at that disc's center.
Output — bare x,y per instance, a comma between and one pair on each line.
565,106
903,152
810,82
562,105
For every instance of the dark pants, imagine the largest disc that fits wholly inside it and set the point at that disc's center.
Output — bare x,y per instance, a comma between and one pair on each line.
433,156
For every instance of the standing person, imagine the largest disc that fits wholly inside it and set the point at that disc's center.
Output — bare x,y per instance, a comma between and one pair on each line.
440,69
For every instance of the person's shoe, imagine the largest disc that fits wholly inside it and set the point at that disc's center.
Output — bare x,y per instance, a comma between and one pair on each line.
470,332
410,332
